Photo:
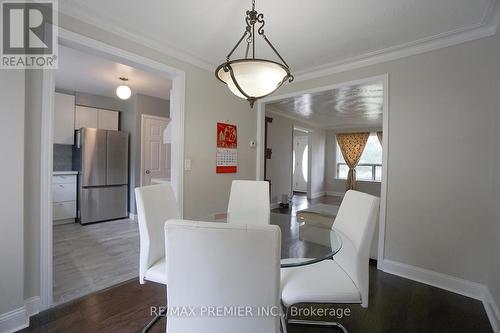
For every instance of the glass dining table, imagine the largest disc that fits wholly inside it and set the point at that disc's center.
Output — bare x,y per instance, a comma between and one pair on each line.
303,241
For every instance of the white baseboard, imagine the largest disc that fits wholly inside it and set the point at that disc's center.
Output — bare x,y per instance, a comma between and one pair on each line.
335,194
439,280
14,320
492,310
18,319
132,216
447,282
318,195
32,306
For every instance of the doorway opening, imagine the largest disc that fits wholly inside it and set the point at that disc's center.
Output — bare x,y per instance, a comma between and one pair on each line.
356,110
300,161
110,118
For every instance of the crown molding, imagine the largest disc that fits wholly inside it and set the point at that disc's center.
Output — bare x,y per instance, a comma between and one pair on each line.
486,28
81,13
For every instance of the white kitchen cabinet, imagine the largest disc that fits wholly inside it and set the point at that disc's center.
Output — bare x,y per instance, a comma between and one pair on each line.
64,210
64,197
64,118
86,117
95,118
108,120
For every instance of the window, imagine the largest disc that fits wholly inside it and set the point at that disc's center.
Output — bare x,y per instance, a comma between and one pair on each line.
370,164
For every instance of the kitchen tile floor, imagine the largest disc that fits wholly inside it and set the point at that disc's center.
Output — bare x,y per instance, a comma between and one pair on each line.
93,257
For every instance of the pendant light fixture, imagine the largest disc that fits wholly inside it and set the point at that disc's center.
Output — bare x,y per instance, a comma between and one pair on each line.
253,78
123,91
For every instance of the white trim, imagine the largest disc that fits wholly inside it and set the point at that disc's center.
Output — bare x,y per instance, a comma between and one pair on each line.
492,310
132,216
385,172
14,320
447,282
32,306
177,97
439,280
46,146
144,116
385,143
19,318
488,26
318,195
78,12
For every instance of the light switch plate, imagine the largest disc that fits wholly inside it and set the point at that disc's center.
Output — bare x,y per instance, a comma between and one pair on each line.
187,165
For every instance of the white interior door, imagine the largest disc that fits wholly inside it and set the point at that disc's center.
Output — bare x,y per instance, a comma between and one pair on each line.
300,163
156,154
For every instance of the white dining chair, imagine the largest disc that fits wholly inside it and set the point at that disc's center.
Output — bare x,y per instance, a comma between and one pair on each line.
155,205
345,278
249,202
223,266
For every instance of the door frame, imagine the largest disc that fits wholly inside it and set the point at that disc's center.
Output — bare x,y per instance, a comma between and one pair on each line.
384,78
309,158
177,111
143,117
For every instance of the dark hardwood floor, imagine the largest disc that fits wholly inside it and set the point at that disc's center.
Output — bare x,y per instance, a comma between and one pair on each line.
300,201
396,305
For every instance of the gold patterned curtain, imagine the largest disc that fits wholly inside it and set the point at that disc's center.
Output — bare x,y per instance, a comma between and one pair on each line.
379,136
352,146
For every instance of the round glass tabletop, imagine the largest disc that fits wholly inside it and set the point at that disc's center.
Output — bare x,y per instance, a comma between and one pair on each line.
303,241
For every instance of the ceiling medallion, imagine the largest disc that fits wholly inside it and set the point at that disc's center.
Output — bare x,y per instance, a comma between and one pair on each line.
253,78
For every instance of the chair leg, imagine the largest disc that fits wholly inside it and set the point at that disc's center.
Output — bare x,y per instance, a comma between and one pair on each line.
158,316
283,323
317,323
154,320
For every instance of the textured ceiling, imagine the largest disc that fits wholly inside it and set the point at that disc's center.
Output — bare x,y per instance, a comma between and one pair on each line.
308,34
347,107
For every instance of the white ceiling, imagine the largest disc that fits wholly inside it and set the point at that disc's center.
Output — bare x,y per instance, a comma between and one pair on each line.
348,107
83,72
310,35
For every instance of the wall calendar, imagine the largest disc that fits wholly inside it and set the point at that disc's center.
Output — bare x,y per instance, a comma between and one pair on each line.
227,148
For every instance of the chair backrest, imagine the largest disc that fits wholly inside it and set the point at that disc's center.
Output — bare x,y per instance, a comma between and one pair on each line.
355,222
249,202
223,266
155,205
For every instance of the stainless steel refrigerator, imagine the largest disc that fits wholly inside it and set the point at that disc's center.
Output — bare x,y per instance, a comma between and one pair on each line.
103,174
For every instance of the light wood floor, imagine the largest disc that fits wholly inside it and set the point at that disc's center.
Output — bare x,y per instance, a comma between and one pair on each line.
93,257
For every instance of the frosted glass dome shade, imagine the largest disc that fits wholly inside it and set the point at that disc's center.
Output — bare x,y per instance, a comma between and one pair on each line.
123,92
257,78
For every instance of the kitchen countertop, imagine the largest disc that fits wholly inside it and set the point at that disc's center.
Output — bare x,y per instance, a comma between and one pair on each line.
62,173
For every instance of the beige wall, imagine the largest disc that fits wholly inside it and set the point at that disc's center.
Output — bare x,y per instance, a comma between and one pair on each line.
12,87
439,187
494,228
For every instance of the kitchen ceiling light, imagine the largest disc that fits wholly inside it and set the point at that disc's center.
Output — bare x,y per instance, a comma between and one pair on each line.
253,78
123,91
